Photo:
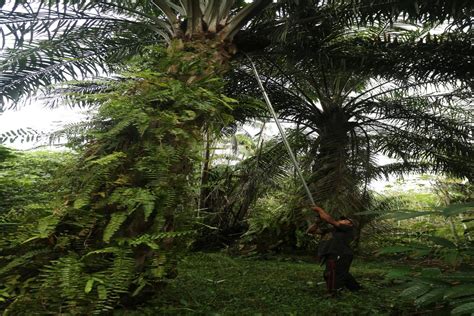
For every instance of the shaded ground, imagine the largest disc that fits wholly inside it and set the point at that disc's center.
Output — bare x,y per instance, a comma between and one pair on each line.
216,284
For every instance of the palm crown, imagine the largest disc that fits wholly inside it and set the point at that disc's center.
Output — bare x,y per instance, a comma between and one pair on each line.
53,41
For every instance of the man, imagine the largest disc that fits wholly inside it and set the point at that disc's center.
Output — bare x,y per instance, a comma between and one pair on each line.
335,251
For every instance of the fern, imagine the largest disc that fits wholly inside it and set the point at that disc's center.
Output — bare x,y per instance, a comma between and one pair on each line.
67,275
119,276
133,198
20,261
116,220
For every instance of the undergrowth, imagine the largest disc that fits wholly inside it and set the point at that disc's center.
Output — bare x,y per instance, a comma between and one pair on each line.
216,284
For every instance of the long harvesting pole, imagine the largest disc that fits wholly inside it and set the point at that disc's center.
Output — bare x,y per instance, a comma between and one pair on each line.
282,133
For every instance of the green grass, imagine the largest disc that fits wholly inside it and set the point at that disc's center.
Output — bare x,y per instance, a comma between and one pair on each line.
216,284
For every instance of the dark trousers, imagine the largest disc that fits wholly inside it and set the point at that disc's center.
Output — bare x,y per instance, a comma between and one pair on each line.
337,273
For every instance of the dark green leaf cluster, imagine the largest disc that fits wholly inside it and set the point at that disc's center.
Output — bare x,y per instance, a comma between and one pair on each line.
4,153
277,220
24,177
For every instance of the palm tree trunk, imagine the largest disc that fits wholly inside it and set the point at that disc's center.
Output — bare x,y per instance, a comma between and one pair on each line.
330,165
334,181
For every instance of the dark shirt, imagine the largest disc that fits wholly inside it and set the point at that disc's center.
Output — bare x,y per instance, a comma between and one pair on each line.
337,241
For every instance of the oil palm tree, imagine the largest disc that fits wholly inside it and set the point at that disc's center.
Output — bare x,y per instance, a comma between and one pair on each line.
349,108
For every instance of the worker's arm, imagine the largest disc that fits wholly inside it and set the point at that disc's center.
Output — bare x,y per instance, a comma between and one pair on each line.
325,216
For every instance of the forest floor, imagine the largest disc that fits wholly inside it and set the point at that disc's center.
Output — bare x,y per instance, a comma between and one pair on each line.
217,284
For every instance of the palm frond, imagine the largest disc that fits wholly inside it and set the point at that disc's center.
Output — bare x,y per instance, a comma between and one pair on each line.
22,135
52,42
